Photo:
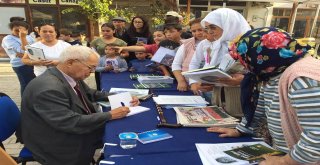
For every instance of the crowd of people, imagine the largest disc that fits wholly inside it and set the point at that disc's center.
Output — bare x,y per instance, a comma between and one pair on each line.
278,90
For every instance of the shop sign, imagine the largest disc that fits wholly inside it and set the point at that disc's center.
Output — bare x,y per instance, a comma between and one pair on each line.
69,2
49,2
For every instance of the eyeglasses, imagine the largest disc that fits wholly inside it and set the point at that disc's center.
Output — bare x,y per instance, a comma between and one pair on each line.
91,68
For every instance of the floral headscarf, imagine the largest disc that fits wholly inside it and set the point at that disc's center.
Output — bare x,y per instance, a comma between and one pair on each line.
265,52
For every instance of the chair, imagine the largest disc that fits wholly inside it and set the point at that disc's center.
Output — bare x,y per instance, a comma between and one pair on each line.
5,158
9,121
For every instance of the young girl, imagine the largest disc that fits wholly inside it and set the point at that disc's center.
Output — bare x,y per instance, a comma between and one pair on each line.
111,62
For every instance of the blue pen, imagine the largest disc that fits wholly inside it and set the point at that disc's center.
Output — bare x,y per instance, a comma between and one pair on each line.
122,104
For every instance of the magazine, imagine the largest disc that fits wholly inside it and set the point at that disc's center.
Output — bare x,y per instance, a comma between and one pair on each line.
142,40
214,154
35,53
153,136
151,85
204,117
164,56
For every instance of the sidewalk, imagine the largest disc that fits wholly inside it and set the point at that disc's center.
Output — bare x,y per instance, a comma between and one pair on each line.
9,84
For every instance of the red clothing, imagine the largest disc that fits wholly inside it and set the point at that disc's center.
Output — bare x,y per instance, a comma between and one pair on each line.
152,48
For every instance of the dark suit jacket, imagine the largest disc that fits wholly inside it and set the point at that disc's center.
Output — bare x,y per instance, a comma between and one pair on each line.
55,126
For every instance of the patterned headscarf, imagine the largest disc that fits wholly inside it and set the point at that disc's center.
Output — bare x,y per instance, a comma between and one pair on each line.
265,53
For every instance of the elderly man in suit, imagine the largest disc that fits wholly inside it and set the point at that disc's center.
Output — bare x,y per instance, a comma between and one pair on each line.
60,125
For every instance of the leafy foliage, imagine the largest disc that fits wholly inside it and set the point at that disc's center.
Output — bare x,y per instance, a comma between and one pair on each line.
100,9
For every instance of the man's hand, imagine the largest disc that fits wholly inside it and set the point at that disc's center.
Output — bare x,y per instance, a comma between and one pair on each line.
119,112
225,132
195,88
135,101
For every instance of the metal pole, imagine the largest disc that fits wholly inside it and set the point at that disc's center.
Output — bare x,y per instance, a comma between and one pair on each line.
293,16
315,21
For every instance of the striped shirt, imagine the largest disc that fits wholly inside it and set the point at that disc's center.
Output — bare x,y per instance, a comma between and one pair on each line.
304,96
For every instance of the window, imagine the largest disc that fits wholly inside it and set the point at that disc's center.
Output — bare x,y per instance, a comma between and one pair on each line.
74,22
44,14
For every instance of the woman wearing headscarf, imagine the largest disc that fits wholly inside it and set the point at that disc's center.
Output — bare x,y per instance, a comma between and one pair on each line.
223,25
281,90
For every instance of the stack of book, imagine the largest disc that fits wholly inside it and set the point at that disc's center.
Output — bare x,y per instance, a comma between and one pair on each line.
155,79
136,75
151,85
204,117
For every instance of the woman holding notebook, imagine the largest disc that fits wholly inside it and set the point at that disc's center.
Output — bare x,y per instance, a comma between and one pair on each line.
51,46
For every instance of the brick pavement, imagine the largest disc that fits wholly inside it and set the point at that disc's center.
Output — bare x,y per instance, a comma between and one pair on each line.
9,84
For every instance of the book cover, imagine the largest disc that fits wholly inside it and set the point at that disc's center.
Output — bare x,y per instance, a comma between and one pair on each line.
252,153
164,56
35,53
153,136
204,117
136,75
151,85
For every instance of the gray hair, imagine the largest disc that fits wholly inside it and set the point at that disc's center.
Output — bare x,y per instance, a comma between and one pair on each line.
81,53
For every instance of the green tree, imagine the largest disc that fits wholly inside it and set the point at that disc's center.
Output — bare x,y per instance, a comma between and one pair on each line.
158,12
100,10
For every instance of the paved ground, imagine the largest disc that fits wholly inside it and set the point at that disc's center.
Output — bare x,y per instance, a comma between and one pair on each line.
9,84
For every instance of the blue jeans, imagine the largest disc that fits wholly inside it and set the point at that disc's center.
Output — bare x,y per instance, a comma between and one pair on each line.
25,75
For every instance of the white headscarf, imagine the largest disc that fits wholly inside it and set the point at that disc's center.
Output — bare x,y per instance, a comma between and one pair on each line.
232,23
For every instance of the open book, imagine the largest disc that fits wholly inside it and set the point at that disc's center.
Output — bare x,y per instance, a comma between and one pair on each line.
204,117
219,154
35,53
206,75
164,56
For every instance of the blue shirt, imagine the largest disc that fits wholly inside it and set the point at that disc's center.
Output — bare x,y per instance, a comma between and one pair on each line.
12,46
140,65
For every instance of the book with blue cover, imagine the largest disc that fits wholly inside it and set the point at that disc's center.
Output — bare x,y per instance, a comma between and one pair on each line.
153,136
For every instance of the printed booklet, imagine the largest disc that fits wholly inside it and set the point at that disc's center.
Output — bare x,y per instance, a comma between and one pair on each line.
241,153
153,136
35,53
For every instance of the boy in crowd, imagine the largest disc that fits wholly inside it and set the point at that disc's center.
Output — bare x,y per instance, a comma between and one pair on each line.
111,62
66,36
139,64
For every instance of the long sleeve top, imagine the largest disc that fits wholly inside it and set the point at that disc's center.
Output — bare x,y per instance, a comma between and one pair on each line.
304,97
12,46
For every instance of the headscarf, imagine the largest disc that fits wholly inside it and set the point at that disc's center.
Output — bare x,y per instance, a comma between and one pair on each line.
266,52
232,23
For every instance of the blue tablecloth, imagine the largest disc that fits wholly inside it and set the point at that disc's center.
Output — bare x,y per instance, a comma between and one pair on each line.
182,143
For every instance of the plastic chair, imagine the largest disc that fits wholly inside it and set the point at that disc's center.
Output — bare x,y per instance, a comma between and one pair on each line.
9,121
